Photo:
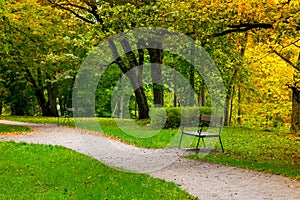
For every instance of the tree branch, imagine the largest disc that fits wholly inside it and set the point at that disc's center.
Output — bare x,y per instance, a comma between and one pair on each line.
94,11
286,60
61,6
129,53
140,45
116,54
243,28
29,77
298,46
292,43
74,5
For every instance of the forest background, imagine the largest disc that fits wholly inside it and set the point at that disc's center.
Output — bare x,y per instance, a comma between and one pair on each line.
255,45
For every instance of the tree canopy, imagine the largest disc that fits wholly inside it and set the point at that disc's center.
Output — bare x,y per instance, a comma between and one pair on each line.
44,41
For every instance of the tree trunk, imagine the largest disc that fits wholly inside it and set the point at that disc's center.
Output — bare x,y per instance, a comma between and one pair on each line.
45,106
134,73
228,99
142,103
175,92
192,83
295,124
135,77
226,110
52,91
202,94
49,108
41,101
243,50
201,97
239,119
121,101
156,56
51,104
175,100
61,106
231,106
120,113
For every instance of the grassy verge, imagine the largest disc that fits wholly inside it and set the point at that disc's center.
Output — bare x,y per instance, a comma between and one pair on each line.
30,171
4,129
273,152
149,139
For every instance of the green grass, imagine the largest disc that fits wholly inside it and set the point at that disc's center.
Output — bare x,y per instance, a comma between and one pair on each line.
4,128
142,136
269,151
273,152
29,171
38,120
109,127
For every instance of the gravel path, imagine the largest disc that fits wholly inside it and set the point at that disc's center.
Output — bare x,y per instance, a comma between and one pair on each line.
204,180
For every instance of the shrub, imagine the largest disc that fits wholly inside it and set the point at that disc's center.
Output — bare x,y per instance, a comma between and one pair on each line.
172,117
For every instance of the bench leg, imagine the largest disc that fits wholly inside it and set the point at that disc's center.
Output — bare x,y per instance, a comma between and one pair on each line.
203,142
198,143
180,141
221,144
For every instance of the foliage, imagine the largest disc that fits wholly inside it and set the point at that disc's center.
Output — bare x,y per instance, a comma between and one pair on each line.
38,38
37,47
266,99
173,117
31,171
105,88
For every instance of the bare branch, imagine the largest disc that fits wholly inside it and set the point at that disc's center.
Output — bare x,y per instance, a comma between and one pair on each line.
296,45
63,7
74,5
140,45
94,11
286,60
116,54
293,43
243,28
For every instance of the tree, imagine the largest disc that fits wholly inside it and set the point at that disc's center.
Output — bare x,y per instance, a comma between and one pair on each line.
215,25
115,18
288,57
16,92
271,23
37,45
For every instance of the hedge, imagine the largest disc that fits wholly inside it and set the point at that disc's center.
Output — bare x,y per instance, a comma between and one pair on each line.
173,117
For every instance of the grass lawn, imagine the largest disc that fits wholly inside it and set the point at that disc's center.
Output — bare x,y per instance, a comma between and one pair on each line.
30,171
4,129
110,128
273,152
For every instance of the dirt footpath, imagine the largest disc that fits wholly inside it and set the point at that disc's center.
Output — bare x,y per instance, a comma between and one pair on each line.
203,180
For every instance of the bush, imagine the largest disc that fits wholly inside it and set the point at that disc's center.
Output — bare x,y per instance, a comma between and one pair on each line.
174,116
